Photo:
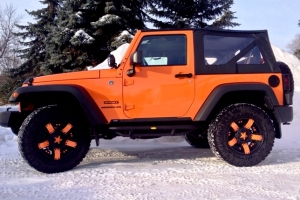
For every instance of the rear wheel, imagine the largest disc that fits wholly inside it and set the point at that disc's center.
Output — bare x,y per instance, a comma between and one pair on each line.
197,139
242,135
52,139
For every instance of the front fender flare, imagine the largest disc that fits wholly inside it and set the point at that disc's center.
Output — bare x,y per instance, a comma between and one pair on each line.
88,105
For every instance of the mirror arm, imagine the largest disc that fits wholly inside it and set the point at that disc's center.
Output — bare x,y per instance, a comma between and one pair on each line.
133,68
131,72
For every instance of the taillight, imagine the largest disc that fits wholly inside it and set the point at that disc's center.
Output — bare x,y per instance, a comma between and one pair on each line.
286,81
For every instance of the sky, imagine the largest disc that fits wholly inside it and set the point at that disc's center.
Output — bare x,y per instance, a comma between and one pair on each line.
279,17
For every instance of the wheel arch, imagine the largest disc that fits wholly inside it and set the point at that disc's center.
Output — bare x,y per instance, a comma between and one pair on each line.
69,95
253,93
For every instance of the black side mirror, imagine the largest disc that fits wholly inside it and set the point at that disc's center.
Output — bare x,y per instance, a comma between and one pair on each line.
135,58
112,61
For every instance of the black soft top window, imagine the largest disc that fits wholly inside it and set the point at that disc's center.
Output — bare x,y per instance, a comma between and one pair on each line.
219,50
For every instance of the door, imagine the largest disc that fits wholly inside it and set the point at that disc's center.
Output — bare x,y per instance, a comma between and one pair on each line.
163,86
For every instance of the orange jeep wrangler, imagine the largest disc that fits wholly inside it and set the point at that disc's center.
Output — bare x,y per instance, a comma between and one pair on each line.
221,89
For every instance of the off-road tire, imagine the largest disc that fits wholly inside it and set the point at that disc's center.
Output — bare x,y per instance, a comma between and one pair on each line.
53,139
286,70
236,139
197,141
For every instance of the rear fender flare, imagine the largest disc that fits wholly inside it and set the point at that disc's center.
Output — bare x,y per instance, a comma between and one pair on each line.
221,90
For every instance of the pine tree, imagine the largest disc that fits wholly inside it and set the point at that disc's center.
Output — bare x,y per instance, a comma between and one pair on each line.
34,37
88,30
59,49
191,13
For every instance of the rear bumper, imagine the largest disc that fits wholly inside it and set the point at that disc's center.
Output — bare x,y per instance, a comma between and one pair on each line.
284,114
11,119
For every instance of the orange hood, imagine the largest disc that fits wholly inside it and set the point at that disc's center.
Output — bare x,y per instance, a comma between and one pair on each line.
68,76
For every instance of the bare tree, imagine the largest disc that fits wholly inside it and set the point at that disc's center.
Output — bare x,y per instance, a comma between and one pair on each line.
9,44
294,46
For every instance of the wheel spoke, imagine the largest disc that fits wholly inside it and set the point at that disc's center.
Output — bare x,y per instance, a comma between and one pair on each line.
249,124
234,126
67,128
256,137
232,142
71,143
50,128
56,154
43,144
246,148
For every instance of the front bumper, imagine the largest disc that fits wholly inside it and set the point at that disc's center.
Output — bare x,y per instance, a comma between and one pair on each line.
11,119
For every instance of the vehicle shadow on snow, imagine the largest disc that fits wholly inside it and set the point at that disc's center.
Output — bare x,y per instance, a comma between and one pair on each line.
176,155
97,157
282,156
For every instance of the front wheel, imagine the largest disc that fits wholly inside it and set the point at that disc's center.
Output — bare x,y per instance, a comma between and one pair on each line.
242,135
52,139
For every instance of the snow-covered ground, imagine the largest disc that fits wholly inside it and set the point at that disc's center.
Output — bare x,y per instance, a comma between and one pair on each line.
165,168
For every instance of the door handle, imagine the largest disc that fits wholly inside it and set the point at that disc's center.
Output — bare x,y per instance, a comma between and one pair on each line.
189,75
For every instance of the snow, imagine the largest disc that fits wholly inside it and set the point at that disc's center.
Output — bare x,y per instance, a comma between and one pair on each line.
78,14
106,19
164,168
83,37
292,61
122,34
118,53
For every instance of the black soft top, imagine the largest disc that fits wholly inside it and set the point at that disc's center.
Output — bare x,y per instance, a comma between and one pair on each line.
208,29
260,39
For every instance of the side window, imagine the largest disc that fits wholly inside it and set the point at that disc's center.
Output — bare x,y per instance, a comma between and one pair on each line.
219,50
164,50
254,56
